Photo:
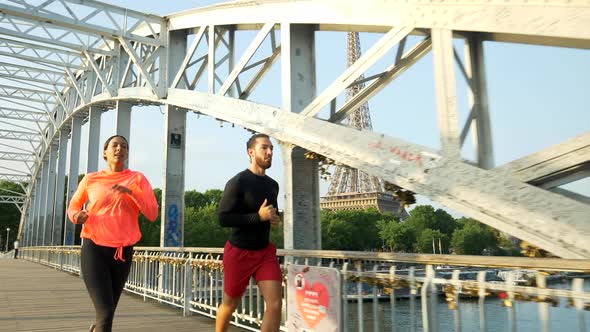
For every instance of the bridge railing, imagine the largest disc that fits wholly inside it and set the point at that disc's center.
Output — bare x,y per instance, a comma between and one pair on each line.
380,291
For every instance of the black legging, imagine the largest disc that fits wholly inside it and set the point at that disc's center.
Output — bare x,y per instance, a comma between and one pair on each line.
105,279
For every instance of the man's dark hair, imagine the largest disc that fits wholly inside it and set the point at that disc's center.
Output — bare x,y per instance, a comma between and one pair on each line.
252,140
106,144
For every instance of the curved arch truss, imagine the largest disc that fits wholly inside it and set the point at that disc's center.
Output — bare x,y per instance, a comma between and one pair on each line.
62,62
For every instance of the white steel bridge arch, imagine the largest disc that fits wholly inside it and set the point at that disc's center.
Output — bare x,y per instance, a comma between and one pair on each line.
120,64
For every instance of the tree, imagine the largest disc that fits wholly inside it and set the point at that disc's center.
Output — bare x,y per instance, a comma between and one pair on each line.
213,196
473,237
398,236
351,230
150,231
9,213
202,229
428,237
424,216
195,199
277,235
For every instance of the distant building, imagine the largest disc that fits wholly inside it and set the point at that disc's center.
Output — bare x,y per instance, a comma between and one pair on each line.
382,201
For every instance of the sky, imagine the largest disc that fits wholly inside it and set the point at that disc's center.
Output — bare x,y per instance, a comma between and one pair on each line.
537,98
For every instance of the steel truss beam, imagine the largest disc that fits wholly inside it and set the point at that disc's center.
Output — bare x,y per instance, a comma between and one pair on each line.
15,178
12,199
14,156
20,79
91,17
538,216
29,95
376,52
24,74
24,115
13,170
382,80
547,167
142,66
505,202
40,53
20,135
546,23
39,31
245,59
201,62
101,73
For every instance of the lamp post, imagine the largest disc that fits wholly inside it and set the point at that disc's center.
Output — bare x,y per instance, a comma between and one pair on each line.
7,233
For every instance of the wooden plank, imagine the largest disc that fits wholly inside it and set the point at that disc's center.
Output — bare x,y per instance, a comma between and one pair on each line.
36,298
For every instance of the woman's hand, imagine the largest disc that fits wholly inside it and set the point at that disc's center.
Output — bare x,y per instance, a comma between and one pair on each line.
81,217
122,189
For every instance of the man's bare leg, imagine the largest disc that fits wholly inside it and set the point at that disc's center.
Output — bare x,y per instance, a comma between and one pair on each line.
224,312
272,291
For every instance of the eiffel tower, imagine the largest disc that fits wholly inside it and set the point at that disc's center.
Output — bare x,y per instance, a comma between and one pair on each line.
351,189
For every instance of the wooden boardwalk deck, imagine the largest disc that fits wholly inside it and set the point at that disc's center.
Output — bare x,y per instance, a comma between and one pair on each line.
36,298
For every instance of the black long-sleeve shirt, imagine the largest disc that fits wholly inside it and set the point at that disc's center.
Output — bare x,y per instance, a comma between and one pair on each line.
241,200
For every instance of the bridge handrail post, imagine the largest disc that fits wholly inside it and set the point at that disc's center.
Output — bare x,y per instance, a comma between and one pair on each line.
145,274
188,286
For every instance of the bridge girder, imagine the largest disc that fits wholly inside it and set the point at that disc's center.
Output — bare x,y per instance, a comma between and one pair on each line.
122,63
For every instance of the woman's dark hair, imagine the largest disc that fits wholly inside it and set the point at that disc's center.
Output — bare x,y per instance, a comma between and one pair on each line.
106,144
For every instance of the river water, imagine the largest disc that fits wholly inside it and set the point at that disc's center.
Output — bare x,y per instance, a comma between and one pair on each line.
562,318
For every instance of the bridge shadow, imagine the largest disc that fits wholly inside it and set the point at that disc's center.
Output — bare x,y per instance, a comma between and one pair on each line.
38,298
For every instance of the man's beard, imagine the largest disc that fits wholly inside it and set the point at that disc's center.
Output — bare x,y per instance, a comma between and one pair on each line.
263,163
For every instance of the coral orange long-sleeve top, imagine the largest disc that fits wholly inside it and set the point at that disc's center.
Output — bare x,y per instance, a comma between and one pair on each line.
113,215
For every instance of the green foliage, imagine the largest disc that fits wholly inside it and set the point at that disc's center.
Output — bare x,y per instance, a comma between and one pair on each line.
424,216
473,237
202,229
9,214
277,235
351,230
428,237
197,200
398,236
150,231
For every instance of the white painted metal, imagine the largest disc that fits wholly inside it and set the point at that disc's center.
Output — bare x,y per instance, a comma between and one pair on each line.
59,208
352,73
32,72
566,156
49,197
123,119
100,75
446,92
172,209
25,157
301,217
481,128
38,230
535,215
202,267
10,199
73,166
256,43
40,54
92,23
93,139
555,23
123,60
388,75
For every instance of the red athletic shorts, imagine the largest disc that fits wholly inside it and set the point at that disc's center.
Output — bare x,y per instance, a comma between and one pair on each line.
240,264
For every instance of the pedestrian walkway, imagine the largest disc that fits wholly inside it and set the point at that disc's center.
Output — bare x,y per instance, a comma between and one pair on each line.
35,298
